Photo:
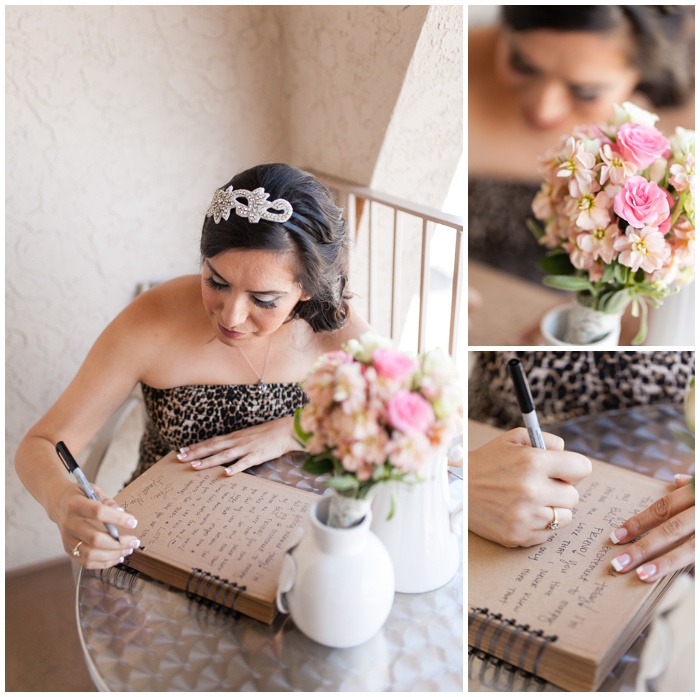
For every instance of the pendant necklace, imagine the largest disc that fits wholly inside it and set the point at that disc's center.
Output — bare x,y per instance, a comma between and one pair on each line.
263,387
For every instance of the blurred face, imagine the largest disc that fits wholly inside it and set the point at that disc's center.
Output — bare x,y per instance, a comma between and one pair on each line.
248,294
564,79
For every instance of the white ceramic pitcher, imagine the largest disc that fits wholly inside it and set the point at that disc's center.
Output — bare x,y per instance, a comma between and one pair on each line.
422,537
336,583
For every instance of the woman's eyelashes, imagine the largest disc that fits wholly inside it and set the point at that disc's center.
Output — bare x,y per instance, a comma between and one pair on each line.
215,284
520,65
267,304
260,302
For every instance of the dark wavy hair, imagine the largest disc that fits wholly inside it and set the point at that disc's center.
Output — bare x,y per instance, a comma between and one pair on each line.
315,237
664,37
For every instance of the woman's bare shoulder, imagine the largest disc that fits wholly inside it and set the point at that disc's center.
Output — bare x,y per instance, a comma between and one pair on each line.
354,328
172,300
155,316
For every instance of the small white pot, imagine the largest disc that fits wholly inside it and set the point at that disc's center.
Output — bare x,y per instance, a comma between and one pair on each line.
563,325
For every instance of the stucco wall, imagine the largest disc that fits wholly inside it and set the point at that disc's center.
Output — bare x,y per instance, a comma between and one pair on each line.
342,68
120,121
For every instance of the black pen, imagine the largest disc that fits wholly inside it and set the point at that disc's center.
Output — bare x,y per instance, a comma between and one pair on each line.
73,468
527,406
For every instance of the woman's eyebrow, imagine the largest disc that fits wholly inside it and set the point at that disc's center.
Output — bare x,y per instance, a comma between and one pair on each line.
278,293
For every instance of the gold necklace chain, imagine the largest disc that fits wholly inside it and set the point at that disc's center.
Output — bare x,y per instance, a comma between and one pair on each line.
262,386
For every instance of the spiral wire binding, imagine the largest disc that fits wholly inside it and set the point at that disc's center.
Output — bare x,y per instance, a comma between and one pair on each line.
122,577
500,674
202,599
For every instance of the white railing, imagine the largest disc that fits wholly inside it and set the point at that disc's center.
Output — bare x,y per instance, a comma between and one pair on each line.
373,214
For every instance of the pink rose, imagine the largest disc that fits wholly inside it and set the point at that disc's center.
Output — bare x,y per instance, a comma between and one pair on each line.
642,203
642,145
337,357
409,412
392,364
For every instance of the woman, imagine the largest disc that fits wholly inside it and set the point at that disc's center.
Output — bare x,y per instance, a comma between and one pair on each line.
512,488
544,71
219,355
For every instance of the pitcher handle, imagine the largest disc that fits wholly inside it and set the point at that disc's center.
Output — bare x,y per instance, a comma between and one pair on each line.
287,577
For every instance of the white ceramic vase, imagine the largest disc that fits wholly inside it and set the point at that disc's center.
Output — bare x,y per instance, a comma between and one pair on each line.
574,324
422,535
337,583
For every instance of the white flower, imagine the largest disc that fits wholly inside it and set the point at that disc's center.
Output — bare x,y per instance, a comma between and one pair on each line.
629,112
682,143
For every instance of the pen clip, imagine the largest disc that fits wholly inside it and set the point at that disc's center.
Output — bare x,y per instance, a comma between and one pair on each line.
66,458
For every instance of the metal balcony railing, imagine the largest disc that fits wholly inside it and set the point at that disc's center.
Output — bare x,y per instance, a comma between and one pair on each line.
363,218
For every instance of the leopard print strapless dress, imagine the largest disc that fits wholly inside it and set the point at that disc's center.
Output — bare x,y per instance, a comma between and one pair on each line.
180,416
567,384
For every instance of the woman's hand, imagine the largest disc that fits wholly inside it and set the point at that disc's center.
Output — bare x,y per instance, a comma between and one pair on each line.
81,522
671,543
245,448
513,487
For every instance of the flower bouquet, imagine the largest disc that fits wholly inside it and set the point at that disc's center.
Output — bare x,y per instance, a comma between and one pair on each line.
618,207
375,415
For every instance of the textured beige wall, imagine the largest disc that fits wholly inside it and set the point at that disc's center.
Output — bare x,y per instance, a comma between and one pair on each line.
120,122
344,71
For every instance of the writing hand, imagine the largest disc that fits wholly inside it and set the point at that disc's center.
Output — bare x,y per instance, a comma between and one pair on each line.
81,522
671,543
243,449
513,486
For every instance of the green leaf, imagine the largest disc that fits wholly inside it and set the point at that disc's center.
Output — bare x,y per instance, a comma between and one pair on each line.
608,274
642,333
615,302
319,464
557,264
621,273
344,483
302,437
575,283
392,506
534,228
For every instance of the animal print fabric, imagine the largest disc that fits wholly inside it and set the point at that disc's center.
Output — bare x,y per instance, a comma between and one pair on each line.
181,416
567,384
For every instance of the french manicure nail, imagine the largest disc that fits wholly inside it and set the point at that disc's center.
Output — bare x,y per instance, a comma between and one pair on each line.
184,450
196,464
647,571
621,562
181,456
136,543
618,535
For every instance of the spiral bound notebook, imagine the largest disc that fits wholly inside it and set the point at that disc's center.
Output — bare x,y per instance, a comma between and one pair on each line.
558,611
220,539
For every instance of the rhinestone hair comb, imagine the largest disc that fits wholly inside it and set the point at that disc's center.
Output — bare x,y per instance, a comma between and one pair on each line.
255,208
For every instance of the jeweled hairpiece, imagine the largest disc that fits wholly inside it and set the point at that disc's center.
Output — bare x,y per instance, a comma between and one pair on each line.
256,205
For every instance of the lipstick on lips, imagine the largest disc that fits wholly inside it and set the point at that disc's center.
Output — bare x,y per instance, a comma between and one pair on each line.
229,334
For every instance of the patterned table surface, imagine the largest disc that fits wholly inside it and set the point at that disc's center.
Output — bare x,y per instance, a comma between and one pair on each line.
139,635
652,440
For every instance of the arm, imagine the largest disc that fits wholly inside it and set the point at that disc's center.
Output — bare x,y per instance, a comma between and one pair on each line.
101,385
257,444
513,487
